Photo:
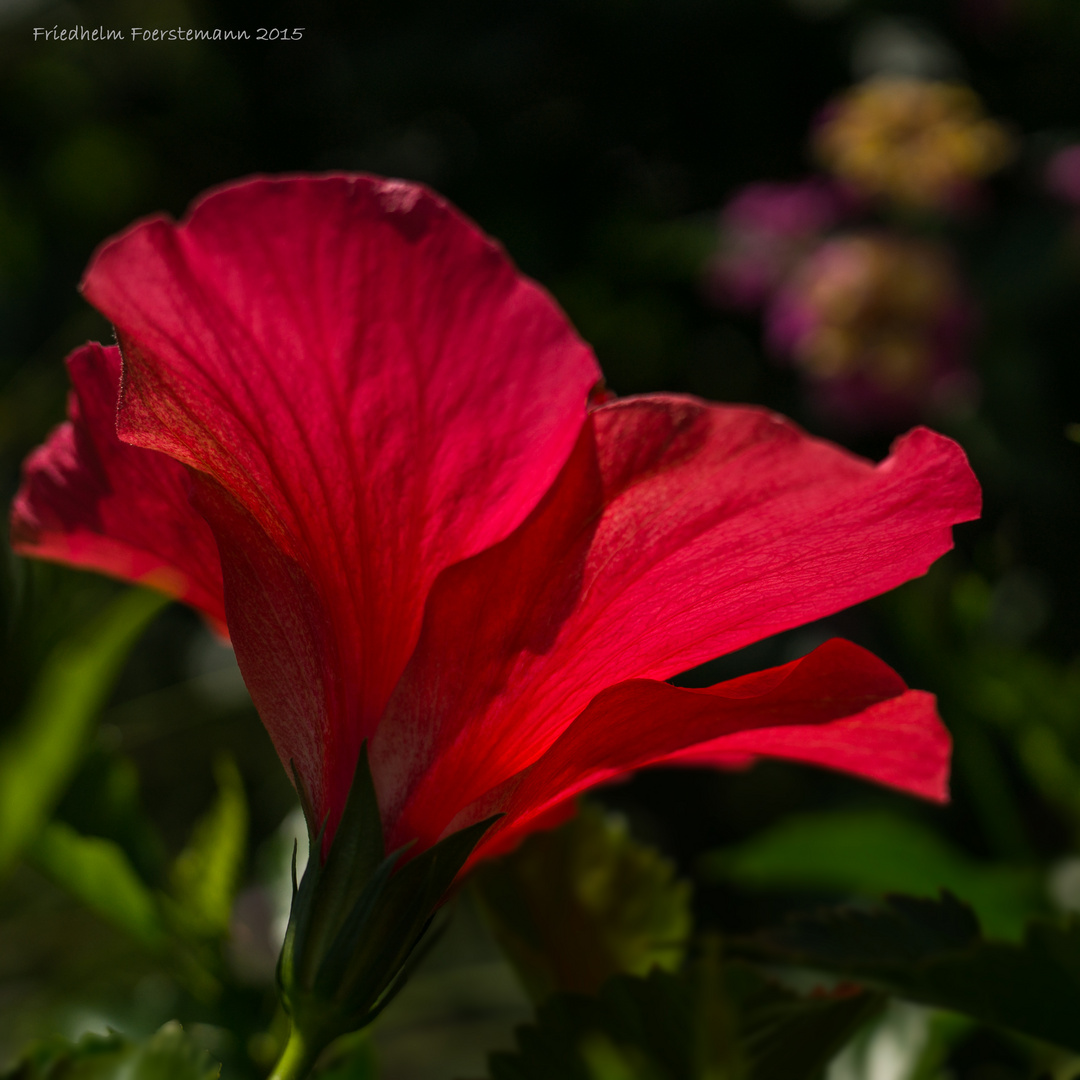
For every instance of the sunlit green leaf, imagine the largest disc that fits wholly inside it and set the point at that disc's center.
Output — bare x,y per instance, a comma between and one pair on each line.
206,873
932,952
167,1055
574,906
876,853
98,872
38,758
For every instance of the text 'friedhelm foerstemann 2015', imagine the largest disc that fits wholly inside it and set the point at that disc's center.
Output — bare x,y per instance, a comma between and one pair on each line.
137,33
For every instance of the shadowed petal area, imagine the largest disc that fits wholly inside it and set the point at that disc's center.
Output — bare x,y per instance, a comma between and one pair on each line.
364,373
677,532
91,501
284,642
839,707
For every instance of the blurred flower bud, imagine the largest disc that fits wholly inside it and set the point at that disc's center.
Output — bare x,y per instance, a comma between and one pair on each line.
880,324
921,144
763,231
1063,174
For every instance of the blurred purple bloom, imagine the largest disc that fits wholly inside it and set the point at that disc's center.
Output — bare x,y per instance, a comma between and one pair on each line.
1063,174
764,230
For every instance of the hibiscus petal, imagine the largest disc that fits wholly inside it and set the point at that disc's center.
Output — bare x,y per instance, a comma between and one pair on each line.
677,532
840,707
285,646
367,375
89,500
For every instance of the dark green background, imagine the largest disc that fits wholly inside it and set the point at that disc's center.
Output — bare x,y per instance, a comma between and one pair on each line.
596,139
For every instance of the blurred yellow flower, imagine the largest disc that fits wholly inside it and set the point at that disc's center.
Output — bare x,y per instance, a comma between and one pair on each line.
919,143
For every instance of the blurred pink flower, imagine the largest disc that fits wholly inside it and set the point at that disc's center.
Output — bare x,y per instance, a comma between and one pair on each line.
880,325
1062,176
764,230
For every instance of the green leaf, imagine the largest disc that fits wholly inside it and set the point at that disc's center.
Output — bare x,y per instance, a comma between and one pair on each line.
98,872
877,853
916,1041
933,952
171,1055
634,1028
577,905
352,1057
711,1024
785,1037
38,758
167,1055
206,873
103,800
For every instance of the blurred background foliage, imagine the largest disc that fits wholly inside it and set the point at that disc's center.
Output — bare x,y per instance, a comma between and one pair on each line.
599,140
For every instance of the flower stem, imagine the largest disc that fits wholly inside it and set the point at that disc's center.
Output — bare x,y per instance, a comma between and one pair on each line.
296,1059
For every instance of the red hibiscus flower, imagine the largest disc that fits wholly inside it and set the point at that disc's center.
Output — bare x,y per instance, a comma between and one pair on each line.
351,433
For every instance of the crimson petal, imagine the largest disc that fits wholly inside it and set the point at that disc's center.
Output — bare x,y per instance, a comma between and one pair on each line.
91,501
840,706
364,379
677,532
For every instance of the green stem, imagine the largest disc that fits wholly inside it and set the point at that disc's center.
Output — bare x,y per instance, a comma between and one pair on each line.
296,1059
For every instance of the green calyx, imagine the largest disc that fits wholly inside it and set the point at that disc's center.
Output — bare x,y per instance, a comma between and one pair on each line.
356,920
